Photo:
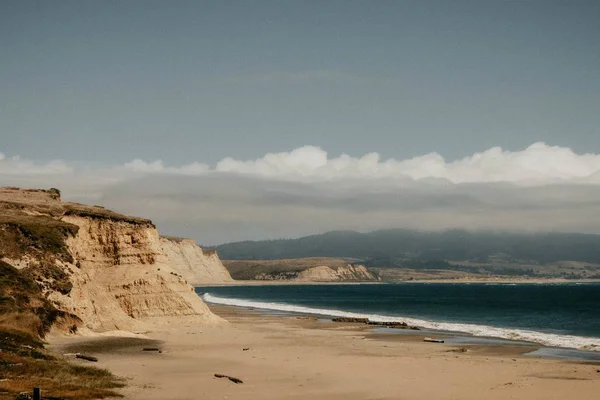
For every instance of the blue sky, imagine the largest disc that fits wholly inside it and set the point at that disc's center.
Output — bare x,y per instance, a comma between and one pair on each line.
109,99
198,81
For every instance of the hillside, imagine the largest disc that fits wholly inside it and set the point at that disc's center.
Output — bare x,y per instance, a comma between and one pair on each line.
471,253
315,269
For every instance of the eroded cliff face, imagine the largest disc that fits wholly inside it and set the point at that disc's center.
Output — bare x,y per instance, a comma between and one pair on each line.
322,273
122,279
347,273
107,269
194,264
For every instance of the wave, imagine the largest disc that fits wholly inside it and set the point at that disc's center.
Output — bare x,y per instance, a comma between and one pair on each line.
547,339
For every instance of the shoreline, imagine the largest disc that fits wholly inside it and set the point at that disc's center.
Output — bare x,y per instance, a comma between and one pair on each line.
581,346
299,357
422,281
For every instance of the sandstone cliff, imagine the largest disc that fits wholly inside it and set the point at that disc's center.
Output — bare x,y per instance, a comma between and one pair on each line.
108,269
194,264
348,273
311,269
301,270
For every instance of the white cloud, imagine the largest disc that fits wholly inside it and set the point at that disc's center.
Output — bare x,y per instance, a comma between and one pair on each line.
158,166
536,164
17,166
305,191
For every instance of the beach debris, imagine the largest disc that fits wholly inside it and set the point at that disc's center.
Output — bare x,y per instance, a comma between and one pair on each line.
387,324
29,396
85,357
431,340
246,349
350,319
398,325
152,349
458,350
231,378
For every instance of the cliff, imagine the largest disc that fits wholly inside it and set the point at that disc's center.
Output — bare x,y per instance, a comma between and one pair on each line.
106,269
194,264
348,273
314,269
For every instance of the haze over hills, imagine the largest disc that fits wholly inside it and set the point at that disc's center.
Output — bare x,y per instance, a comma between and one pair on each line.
527,254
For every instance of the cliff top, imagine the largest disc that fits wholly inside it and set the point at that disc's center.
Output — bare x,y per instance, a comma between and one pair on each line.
175,239
16,202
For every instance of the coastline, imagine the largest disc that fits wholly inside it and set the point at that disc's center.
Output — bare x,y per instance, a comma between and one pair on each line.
456,331
299,357
424,281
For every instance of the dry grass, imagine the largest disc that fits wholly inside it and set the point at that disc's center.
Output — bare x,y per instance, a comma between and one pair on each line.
38,236
94,212
31,228
25,317
57,377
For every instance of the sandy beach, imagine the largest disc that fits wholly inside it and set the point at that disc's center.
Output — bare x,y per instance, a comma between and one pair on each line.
294,357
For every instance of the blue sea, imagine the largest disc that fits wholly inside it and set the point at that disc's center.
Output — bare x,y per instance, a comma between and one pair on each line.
563,315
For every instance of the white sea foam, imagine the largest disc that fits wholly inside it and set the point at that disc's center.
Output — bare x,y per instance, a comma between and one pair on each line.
548,339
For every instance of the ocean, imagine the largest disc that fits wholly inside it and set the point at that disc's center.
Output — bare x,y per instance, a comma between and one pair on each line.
563,315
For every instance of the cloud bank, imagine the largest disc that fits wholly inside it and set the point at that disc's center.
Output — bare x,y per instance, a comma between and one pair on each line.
538,163
306,191
15,165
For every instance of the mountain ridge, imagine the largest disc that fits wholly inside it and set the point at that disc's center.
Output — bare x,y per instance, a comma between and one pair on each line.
454,249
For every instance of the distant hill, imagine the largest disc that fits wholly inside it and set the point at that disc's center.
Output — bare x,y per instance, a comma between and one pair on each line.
422,250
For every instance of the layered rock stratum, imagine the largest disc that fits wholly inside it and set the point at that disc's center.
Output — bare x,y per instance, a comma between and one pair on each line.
109,270
348,273
196,265
322,273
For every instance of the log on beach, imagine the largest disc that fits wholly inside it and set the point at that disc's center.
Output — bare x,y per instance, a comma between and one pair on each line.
152,349
88,358
231,378
430,340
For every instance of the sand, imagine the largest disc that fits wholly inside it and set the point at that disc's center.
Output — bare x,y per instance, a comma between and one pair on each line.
288,357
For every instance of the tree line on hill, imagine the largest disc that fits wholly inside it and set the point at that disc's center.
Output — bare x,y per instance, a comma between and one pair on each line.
422,250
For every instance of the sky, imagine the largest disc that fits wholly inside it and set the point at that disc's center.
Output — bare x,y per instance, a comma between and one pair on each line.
233,120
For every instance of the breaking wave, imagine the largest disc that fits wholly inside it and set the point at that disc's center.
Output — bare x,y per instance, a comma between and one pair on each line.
548,339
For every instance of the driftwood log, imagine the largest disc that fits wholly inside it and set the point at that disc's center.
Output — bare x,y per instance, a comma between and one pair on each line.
151,349
88,358
231,378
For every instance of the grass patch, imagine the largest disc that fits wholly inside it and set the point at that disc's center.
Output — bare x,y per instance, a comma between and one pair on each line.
25,317
57,377
22,305
37,236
